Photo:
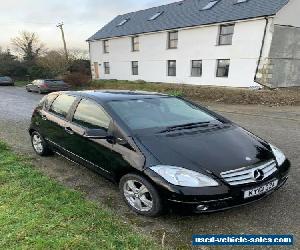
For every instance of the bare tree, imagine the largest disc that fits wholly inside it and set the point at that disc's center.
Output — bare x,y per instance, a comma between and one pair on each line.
29,45
54,61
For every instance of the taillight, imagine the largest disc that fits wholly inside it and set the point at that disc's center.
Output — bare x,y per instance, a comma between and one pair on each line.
44,85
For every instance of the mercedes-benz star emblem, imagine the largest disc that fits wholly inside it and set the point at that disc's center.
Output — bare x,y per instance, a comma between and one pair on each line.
258,174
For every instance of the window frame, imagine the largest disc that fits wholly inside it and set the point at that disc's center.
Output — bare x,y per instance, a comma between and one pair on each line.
168,68
218,68
106,66
221,35
134,43
170,40
95,103
192,67
69,111
105,46
135,68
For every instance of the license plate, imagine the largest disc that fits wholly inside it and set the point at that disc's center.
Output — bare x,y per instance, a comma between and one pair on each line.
261,189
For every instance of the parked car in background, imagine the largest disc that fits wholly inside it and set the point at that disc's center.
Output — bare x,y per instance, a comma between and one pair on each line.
163,151
6,81
46,86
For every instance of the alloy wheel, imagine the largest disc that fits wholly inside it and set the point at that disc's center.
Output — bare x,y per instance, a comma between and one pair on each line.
37,143
138,195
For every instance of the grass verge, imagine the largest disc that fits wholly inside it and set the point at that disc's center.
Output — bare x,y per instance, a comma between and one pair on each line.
209,94
38,213
20,83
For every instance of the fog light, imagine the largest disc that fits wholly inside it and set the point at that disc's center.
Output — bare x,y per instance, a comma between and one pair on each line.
202,207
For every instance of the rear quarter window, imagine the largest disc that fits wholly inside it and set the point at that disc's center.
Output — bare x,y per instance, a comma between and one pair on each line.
62,104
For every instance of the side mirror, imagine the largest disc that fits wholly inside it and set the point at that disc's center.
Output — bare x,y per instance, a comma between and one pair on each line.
96,134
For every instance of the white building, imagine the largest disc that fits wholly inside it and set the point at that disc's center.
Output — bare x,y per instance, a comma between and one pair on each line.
235,43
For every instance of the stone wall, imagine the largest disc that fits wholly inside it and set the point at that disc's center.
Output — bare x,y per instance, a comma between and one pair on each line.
282,68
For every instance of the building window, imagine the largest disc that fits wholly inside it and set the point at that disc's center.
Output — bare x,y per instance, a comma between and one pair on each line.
123,22
135,43
196,68
156,15
226,34
105,46
171,68
210,4
106,68
173,39
223,67
135,68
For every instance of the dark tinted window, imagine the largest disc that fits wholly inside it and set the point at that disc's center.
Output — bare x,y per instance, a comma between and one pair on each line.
54,82
62,105
91,115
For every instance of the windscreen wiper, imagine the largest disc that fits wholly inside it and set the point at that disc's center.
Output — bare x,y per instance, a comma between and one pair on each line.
185,126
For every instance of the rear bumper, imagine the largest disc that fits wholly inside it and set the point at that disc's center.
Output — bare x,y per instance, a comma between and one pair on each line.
212,199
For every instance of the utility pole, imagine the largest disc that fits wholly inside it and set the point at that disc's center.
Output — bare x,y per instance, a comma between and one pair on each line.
60,25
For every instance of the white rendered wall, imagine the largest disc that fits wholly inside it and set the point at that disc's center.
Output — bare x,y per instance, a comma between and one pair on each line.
194,44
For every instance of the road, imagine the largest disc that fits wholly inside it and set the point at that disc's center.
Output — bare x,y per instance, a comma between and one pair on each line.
278,213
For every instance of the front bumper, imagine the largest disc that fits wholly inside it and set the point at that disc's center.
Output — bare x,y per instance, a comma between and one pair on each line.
212,199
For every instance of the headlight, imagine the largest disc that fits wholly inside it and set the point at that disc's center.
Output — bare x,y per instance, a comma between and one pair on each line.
184,177
280,157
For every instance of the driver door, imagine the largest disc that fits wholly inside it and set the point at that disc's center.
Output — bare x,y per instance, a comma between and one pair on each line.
95,153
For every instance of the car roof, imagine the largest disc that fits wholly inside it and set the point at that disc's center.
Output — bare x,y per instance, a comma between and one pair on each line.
115,95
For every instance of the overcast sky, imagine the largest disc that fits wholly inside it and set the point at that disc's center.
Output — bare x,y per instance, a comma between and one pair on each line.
82,18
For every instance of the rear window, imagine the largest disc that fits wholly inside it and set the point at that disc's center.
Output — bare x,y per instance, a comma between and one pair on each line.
5,78
62,105
54,82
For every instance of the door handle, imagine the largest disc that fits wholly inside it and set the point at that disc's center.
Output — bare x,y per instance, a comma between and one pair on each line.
69,130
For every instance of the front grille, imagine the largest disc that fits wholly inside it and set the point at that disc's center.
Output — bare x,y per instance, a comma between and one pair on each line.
246,175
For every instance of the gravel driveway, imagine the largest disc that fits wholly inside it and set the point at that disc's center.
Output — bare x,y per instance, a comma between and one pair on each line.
278,213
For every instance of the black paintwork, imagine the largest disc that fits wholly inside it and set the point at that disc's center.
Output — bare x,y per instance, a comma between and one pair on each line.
209,150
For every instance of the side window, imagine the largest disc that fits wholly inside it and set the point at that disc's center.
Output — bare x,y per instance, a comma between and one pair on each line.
62,105
91,115
49,99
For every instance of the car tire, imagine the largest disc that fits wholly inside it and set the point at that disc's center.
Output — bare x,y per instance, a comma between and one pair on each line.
143,197
28,90
39,144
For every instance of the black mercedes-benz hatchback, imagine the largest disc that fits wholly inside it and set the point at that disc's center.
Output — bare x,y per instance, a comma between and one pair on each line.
162,151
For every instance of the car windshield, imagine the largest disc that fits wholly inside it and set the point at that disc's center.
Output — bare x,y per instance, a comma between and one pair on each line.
164,112
4,78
